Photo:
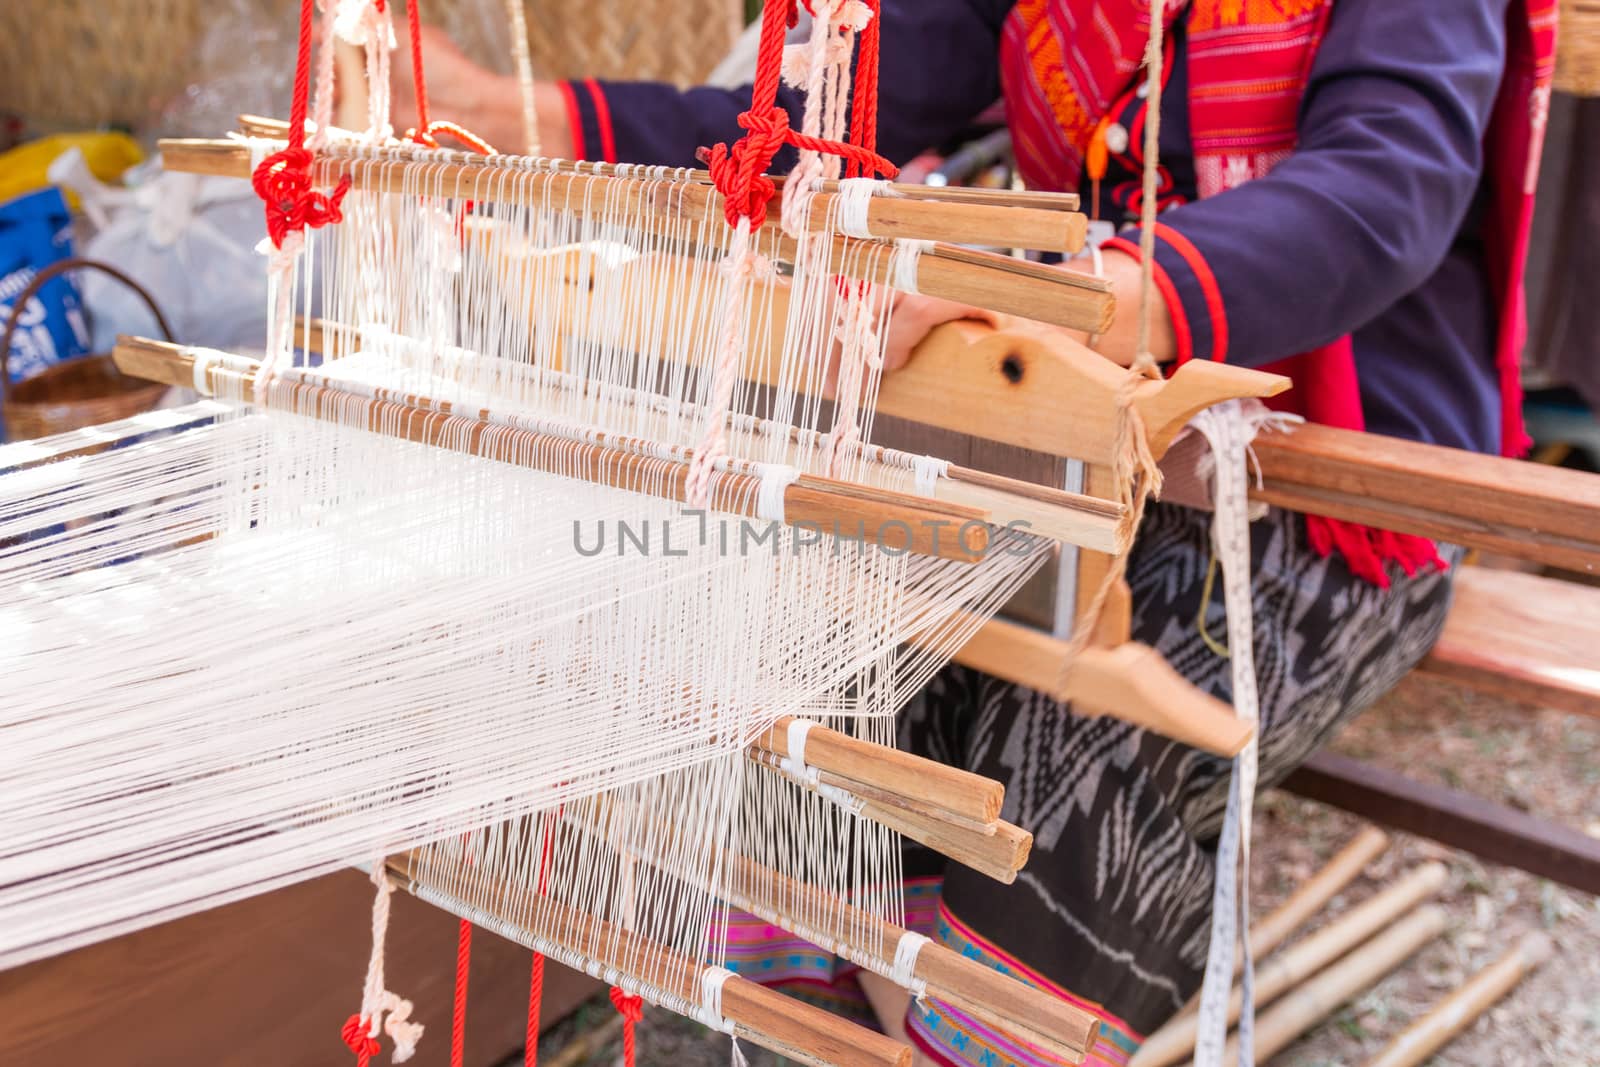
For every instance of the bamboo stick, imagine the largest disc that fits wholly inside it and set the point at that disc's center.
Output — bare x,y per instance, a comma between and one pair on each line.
258,126
1281,973
1306,901
1075,518
1317,890
999,283
966,794
1314,1001
788,1027
1460,1009
898,521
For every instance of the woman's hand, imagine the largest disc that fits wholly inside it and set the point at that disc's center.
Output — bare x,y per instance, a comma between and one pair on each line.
488,104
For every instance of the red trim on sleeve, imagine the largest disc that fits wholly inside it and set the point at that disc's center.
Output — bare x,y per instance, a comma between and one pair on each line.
1169,292
574,117
1208,286
602,117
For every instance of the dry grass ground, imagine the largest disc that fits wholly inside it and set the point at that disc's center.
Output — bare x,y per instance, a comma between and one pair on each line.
1537,760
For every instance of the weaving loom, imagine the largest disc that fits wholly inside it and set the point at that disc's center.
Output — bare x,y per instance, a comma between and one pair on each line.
547,565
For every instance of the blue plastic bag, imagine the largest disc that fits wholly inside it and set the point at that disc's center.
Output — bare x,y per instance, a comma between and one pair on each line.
36,231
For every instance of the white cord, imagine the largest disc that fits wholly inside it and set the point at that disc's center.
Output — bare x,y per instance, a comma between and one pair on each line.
775,479
855,197
904,971
903,264
929,469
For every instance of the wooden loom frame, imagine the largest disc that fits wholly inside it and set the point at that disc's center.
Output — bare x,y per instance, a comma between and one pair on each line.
966,372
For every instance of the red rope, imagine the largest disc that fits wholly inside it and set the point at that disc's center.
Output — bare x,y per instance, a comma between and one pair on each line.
631,1008
739,172
864,100
530,1049
458,1017
283,179
414,26
356,1040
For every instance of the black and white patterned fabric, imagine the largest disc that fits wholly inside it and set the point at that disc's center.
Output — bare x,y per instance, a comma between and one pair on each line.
1115,901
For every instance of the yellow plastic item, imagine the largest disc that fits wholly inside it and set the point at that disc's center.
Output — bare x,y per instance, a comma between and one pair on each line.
22,170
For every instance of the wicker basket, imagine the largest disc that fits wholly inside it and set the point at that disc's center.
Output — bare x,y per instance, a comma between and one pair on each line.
76,392
1578,48
88,63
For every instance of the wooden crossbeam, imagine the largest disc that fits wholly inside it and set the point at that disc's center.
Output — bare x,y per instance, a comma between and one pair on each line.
1490,831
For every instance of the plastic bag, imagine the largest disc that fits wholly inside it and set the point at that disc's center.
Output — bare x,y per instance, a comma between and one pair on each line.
189,240
36,231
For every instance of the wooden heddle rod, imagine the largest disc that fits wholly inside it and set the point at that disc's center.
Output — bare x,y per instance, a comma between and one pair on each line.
985,279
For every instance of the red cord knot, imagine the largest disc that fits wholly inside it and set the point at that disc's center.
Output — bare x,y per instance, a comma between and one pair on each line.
283,182
629,1006
356,1038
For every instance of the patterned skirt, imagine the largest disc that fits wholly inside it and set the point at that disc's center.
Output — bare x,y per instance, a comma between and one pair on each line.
1113,910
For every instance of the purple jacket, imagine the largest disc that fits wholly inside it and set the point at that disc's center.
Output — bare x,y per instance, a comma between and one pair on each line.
1372,231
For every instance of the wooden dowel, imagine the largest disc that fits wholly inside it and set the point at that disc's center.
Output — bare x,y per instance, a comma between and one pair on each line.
258,126
788,1027
1076,518
1029,1014
896,521
998,850
1314,1001
1279,974
969,795
999,283
1460,1009
1316,891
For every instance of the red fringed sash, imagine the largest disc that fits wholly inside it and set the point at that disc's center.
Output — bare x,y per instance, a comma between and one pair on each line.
1063,62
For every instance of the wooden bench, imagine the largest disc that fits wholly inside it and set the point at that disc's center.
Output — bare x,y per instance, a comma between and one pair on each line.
1522,636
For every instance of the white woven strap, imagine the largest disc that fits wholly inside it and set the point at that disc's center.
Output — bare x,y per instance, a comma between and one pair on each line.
775,478
903,264
904,971
855,197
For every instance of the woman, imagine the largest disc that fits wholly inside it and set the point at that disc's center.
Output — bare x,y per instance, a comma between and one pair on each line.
1325,201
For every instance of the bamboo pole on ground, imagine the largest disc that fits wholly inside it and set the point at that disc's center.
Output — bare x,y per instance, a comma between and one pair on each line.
1460,1009
1314,1001
1301,961
1312,896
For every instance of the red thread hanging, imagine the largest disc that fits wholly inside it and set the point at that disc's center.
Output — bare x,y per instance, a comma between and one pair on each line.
864,99
458,1016
739,172
530,1049
283,180
631,1008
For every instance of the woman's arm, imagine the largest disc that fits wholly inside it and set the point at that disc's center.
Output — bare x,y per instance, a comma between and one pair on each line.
938,70
1389,161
